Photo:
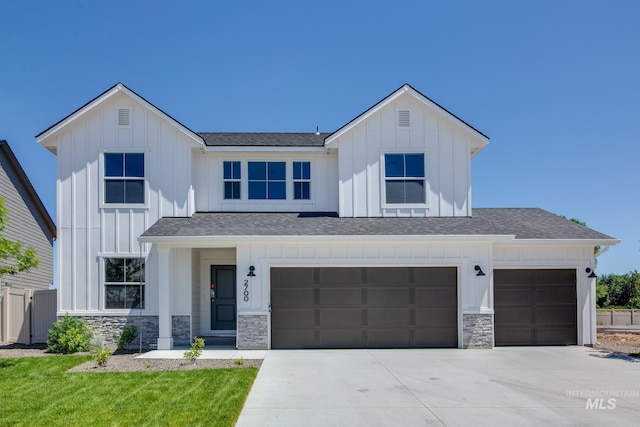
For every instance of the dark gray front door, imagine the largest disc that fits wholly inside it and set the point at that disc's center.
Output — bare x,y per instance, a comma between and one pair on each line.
223,297
346,307
535,307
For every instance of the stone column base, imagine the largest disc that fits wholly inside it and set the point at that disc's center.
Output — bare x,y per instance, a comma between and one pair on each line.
477,331
253,332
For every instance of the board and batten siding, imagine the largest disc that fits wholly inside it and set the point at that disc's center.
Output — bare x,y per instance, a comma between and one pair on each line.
25,224
209,183
447,162
89,229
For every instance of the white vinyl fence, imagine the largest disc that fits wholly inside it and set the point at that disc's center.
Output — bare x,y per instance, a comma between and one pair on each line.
26,315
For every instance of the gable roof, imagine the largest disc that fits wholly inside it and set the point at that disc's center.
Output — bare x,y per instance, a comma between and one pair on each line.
31,192
407,88
117,88
512,223
266,139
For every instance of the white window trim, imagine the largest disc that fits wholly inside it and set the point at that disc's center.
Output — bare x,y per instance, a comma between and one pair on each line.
287,179
103,204
224,199
310,181
103,285
383,179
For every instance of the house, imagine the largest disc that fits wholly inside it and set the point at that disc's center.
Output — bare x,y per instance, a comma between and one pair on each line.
28,222
364,237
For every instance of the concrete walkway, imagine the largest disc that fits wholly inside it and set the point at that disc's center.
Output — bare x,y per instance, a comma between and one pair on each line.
505,386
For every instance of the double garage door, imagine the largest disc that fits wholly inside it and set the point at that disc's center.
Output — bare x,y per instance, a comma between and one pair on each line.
535,307
346,307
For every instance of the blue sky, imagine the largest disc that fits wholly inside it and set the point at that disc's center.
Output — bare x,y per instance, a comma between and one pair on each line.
554,84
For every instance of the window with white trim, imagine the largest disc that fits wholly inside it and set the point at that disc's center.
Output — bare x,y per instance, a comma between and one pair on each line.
404,178
267,180
124,281
232,180
302,180
124,178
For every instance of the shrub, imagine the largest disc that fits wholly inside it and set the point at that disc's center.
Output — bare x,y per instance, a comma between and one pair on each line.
101,355
195,351
129,333
69,335
239,361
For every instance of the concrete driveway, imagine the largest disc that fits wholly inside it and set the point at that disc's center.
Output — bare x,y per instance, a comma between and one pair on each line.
504,386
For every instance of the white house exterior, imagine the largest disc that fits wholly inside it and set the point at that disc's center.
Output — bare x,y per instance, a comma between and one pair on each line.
364,237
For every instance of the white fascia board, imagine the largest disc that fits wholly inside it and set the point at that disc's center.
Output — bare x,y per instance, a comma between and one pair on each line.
262,148
232,241
564,242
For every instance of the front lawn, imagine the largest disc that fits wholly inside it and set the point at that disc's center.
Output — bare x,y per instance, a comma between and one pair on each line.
36,392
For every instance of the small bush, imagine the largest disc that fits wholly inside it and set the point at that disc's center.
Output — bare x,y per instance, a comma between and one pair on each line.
69,335
239,361
129,333
195,351
101,355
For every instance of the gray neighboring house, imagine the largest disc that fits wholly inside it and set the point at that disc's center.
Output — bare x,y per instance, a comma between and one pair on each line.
28,222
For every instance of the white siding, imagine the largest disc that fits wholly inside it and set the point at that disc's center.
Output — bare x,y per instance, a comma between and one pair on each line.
209,184
89,229
447,162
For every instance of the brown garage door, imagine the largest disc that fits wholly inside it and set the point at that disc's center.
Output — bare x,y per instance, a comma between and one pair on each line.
344,307
535,307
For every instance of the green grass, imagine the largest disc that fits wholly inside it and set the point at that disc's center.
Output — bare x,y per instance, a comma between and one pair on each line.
37,392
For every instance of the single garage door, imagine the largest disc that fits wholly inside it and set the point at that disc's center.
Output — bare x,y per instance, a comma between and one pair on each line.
535,307
345,307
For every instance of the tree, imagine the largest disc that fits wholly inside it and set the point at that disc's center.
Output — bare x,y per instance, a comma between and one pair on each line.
596,249
13,259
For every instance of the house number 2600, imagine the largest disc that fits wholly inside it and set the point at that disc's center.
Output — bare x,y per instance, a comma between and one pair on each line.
246,289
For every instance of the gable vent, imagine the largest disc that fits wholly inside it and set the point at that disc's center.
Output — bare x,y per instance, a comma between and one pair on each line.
123,117
403,118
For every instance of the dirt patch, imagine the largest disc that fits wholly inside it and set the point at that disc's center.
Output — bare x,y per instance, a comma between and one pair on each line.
619,342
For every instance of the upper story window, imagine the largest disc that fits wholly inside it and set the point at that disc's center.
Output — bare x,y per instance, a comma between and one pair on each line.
232,180
267,180
404,178
301,180
124,283
124,178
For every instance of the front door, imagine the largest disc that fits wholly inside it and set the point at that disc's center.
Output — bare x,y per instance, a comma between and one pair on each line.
223,297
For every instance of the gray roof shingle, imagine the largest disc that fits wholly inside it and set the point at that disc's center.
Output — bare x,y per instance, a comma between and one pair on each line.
266,139
524,223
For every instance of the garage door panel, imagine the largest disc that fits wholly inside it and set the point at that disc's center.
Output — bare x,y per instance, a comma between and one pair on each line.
379,307
385,297
389,317
298,318
535,307
340,318
436,297
340,297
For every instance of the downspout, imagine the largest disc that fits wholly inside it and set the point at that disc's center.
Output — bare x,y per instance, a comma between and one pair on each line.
602,250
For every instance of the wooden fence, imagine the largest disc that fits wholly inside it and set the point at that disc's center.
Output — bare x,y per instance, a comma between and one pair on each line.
618,317
26,315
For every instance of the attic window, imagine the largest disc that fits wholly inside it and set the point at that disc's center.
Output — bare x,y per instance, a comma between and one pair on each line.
123,117
403,118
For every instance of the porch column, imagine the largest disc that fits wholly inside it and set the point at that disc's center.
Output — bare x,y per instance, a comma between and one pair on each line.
165,338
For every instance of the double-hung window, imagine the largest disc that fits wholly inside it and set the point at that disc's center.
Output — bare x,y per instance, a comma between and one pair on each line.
124,283
404,178
301,180
124,178
231,180
267,180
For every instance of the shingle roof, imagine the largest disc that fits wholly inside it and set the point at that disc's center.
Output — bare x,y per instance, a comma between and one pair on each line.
271,139
524,223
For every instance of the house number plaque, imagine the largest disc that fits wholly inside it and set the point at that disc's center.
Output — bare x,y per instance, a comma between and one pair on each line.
246,290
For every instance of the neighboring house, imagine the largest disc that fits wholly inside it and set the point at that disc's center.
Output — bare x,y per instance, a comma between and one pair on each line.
28,222
27,306
364,237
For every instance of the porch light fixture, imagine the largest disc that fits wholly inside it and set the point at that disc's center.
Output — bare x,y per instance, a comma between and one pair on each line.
251,271
591,273
479,271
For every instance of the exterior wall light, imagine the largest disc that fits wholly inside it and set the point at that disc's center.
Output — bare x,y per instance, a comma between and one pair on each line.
479,271
251,272
591,273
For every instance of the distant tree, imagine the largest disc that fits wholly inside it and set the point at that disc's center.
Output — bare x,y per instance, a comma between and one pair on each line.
13,259
622,290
